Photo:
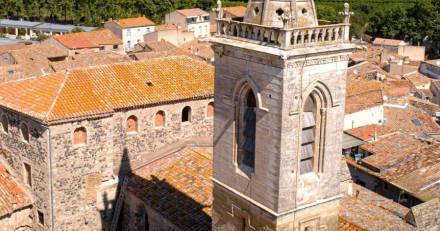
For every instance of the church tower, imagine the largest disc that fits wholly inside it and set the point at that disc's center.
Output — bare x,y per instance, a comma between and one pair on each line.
279,94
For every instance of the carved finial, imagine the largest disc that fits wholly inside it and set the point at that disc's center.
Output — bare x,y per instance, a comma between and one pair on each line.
286,17
347,13
219,9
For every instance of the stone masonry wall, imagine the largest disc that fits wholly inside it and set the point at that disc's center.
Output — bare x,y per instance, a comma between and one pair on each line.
111,151
18,152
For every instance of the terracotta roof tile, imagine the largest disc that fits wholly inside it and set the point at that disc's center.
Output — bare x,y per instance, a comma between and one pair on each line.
370,211
165,27
236,11
388,42
192,12
10,47
134,22
12,196
89,59
90,39
179,187
75,41
91,91
158,46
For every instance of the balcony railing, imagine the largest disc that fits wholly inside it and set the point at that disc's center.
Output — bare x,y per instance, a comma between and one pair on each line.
284,38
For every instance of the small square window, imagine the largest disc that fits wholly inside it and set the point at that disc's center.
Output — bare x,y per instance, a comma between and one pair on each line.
40,218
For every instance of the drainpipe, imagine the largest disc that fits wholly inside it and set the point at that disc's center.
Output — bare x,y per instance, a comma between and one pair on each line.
49,146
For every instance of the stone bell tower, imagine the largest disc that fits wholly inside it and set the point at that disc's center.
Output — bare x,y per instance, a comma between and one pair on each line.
279,94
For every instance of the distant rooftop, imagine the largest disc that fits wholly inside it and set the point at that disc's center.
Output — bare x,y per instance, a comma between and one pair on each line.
41,25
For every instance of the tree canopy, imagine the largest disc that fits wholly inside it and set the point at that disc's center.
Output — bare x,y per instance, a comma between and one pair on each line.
416,21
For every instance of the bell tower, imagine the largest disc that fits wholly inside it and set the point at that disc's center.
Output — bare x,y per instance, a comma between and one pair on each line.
280,94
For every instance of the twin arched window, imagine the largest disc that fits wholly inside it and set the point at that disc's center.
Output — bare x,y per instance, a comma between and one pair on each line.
80,136
245,128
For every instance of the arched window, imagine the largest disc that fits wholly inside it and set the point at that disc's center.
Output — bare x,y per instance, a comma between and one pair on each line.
24,131
132,124
80,136
312,131
5,124
186,114
210,110
246,124
159,119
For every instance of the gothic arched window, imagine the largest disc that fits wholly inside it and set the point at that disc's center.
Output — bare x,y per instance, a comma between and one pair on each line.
246,121
312,133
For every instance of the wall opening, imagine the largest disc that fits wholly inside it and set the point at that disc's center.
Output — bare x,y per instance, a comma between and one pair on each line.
132,124
80,136
186,114
159,119
246,128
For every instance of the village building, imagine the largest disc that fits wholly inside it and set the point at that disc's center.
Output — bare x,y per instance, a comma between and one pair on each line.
79,133
15,201
27,29
430,68
154,46
194,20
171,33
98,40
30,61
131,30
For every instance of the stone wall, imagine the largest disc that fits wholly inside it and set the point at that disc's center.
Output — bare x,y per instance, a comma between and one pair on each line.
281,85
112,152
18,220
18,152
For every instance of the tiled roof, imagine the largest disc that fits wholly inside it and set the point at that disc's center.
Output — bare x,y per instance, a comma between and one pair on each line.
388,42
12,195
192,12
179,187
98,90
390,151
165,27
410,120
89,59
88,39
158,46
418,79
10,47
363,101
134,22
75,41
236,11
34,59
405,162
202,49
428,107
102,37
370,211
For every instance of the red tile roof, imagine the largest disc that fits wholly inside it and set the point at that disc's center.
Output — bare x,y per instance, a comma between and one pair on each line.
90,39
134,22
100,90
12,195
75,41
158,46
179,187
192,12
235,11
89,59
388,42
370,211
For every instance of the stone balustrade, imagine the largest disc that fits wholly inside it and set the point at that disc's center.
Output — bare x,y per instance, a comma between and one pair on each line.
284,38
